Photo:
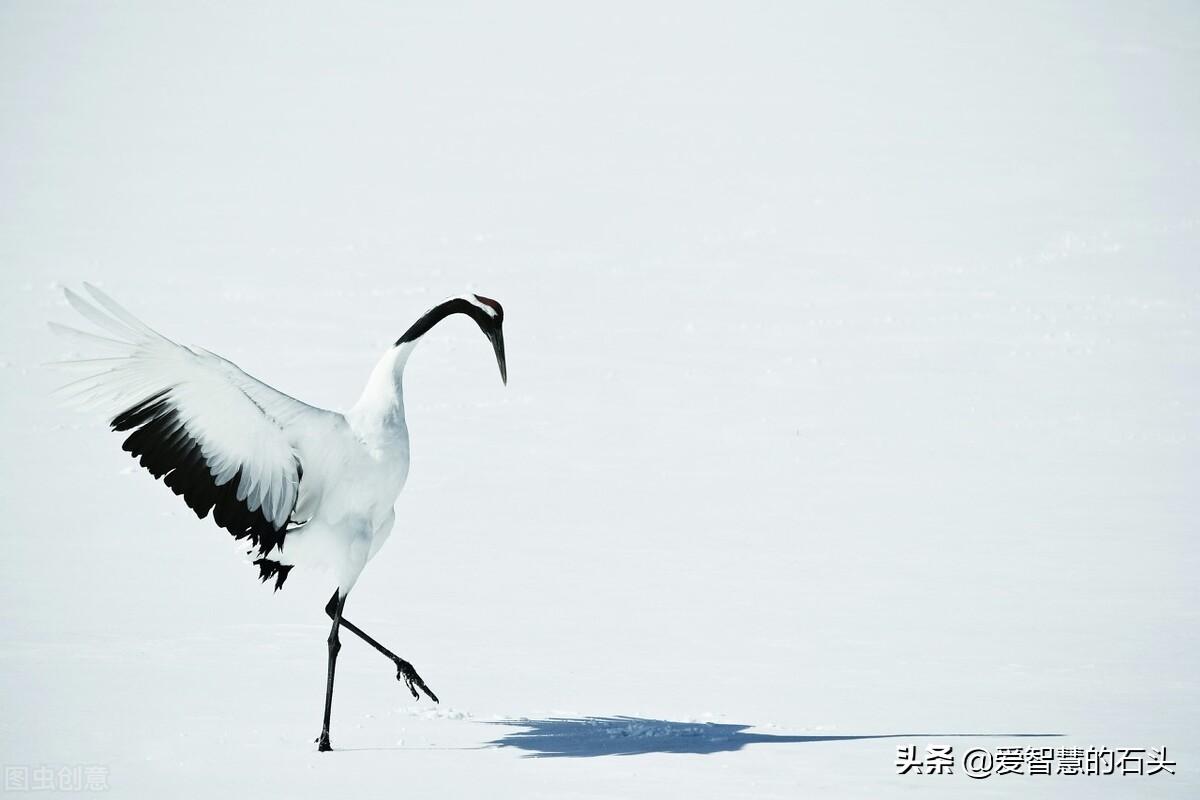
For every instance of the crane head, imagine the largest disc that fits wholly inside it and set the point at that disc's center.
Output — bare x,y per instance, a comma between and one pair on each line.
486,312
492,325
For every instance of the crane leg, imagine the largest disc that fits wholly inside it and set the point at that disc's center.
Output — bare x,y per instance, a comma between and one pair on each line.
404,670
335,611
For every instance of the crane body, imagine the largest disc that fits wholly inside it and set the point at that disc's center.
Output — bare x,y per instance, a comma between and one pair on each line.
306,486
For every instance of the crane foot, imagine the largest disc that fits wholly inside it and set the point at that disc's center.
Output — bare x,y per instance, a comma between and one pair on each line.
406,673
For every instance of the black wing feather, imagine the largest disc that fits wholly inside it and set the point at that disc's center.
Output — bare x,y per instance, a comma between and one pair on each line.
162,444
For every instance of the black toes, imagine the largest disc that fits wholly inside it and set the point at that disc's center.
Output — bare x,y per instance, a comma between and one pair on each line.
406,673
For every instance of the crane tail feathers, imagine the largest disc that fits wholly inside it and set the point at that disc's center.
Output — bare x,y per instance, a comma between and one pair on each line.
268,569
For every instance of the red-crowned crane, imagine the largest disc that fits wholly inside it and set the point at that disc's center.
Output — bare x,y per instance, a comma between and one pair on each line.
304,485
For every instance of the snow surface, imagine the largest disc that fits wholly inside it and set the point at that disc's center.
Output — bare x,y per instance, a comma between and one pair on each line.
852,403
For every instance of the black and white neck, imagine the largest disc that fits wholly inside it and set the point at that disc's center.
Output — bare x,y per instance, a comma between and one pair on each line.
380,409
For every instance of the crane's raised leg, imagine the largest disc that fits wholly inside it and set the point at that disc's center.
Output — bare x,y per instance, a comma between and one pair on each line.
404,670
335,611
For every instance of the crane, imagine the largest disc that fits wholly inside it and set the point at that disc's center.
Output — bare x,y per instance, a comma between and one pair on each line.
303,485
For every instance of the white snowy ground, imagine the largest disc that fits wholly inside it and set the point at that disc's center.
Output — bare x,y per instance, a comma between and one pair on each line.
853,391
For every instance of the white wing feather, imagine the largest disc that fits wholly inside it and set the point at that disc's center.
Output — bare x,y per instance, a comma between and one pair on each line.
239,422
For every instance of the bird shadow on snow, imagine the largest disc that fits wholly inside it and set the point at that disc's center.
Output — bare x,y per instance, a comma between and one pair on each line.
587,737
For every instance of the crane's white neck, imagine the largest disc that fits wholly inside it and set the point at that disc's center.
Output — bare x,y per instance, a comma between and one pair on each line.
378,416
379,413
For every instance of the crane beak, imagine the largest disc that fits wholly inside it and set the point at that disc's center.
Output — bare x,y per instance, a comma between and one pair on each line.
497,338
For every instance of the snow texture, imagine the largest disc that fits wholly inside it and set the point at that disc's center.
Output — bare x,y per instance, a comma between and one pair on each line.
852,401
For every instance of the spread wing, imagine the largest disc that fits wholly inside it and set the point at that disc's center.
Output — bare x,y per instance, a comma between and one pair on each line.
223,440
